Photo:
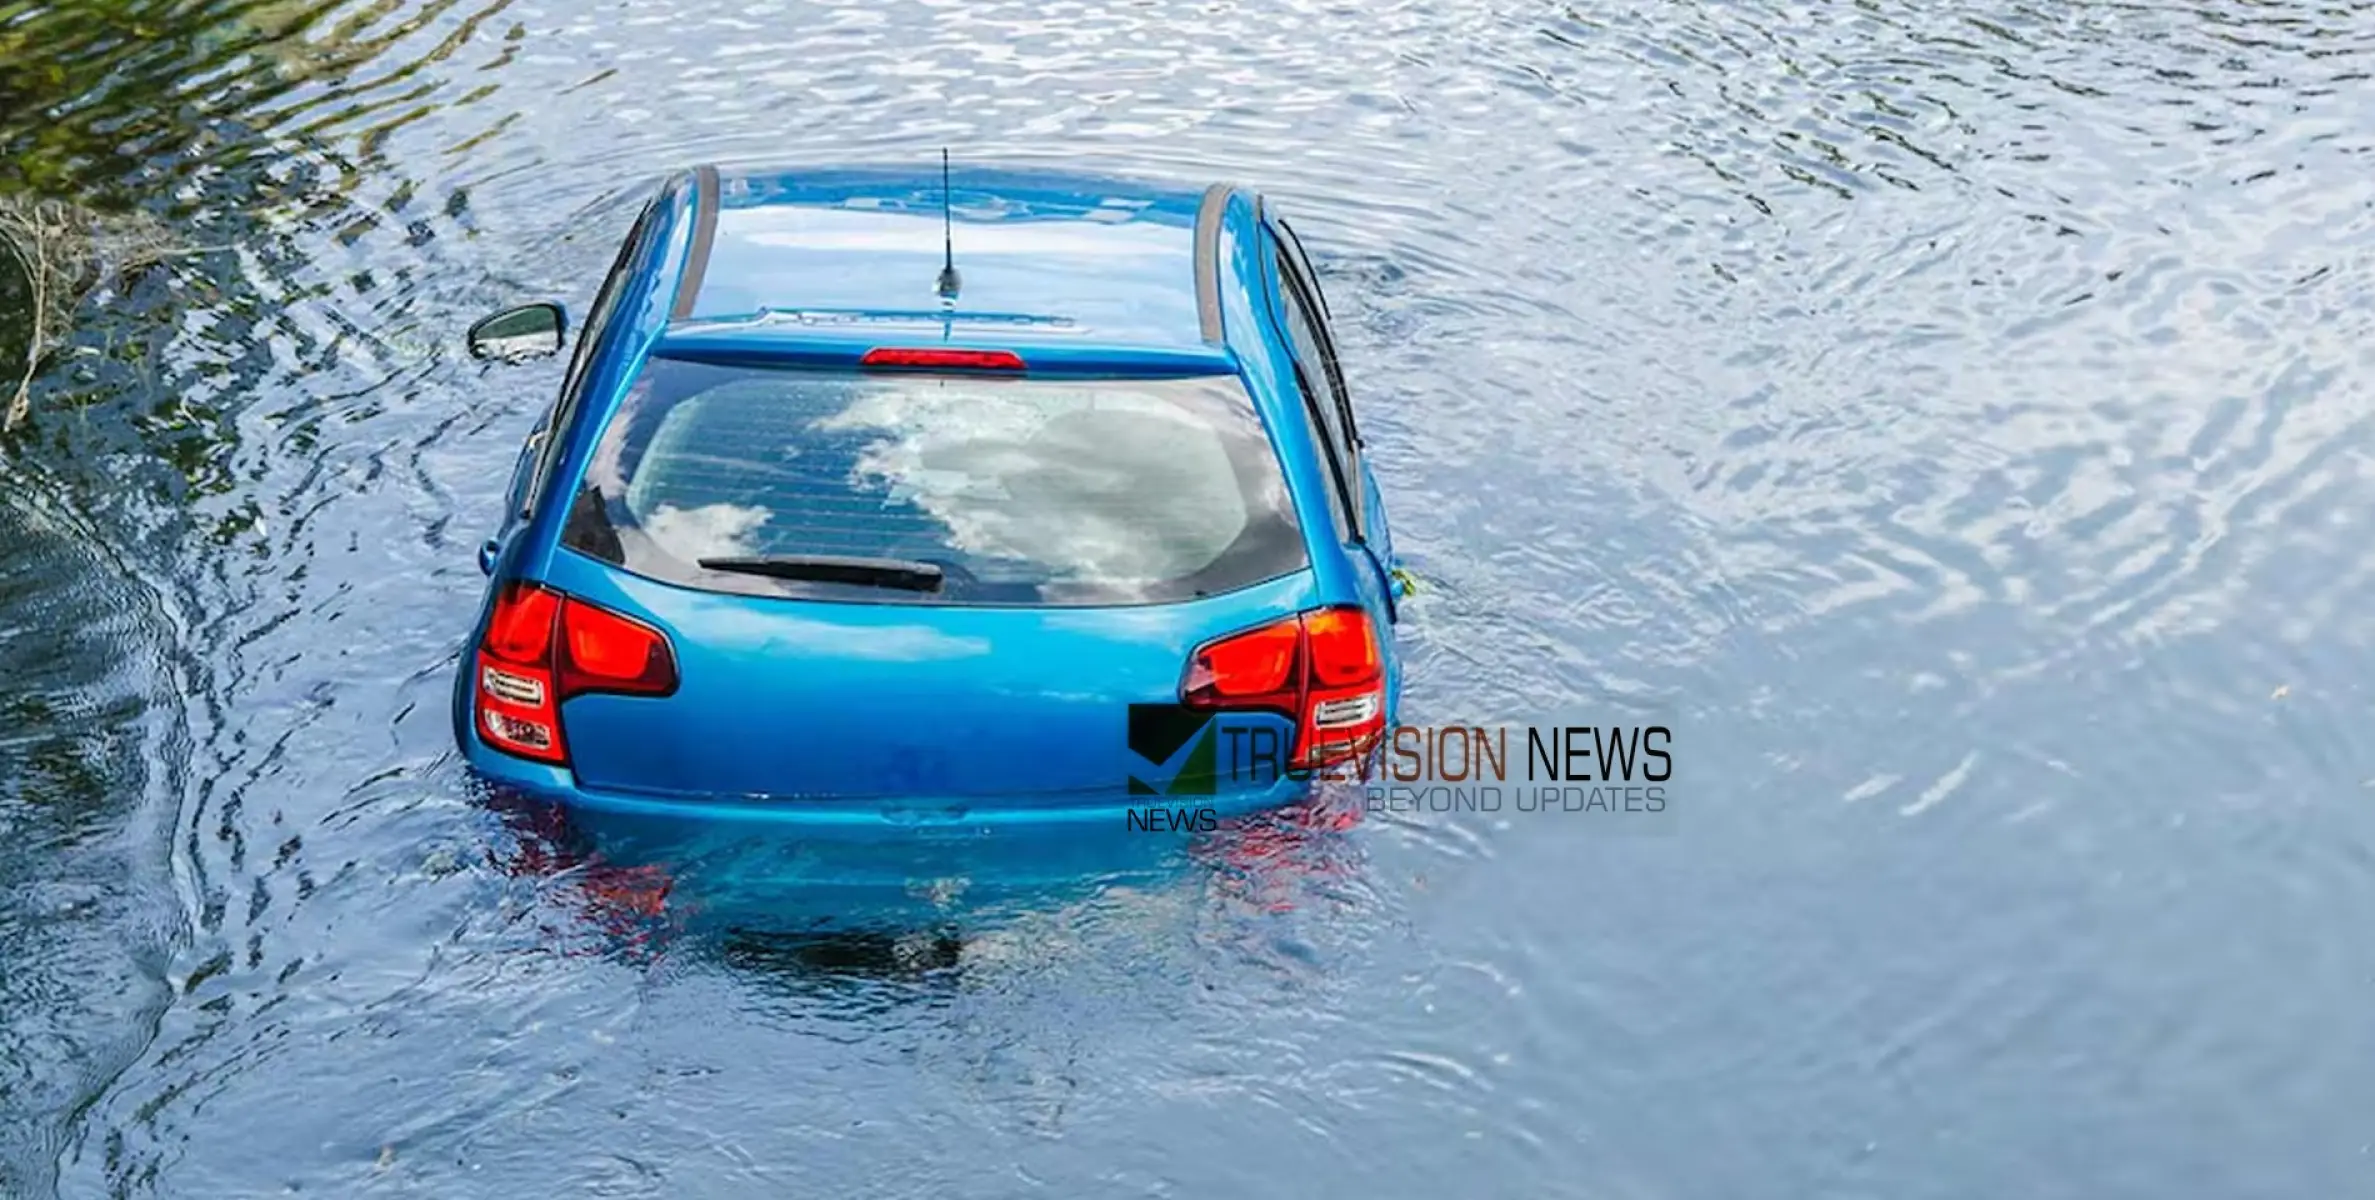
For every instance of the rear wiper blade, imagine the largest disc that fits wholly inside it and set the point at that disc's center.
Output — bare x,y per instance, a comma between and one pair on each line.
833,568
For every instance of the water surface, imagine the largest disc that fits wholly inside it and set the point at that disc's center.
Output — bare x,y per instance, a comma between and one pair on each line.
1954,418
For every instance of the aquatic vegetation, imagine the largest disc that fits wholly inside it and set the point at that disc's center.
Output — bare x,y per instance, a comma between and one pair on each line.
103,177
65,253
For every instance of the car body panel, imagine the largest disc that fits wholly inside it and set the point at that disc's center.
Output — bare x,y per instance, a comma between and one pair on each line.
800,698
1248,321
530,533
900,714
1371,545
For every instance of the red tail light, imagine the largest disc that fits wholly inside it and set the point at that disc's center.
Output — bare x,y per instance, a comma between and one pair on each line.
517,710
928,358
1258,664
1321,668
542,648
602,651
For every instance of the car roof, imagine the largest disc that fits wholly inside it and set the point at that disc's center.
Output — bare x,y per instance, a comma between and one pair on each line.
1044,258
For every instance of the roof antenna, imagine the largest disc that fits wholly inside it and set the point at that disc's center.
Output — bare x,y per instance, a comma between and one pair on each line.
949,280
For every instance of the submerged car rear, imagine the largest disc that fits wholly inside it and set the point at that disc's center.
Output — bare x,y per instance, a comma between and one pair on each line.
794,586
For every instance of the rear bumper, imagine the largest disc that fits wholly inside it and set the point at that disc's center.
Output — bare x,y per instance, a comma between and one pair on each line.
820,866
928,819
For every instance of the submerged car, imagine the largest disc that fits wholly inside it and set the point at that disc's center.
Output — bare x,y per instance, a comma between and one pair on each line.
878,495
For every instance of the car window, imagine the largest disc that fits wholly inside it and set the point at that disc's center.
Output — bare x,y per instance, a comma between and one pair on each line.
1320,392
1042,491
589,338
1338,515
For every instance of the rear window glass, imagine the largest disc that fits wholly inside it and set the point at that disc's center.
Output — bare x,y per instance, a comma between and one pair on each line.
1016,491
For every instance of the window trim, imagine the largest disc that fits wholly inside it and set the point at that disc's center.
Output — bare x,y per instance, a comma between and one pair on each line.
1294,244
1285,296
1339,508
1307,277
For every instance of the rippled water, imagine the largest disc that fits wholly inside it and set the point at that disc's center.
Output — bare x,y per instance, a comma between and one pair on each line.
1954,417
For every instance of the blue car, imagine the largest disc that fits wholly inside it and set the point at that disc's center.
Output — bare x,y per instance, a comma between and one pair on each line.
919,497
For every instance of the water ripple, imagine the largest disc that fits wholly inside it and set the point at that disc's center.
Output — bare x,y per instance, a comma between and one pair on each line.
1953,418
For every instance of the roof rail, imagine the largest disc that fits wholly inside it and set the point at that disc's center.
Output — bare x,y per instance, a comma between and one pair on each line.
705,197
1207,256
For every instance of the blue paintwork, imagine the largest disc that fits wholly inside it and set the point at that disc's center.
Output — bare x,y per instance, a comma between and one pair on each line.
857,716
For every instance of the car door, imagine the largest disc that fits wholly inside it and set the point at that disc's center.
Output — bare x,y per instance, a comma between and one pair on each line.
1303,310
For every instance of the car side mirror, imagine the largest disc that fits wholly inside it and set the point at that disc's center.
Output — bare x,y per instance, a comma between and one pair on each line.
515,334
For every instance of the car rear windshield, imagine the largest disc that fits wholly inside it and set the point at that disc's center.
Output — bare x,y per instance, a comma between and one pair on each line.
1024,490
